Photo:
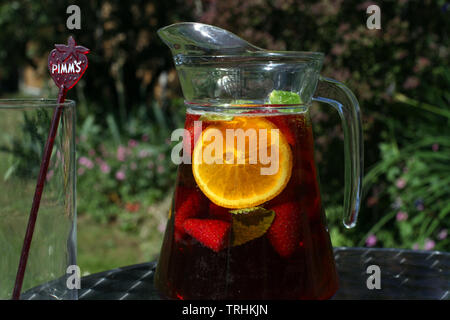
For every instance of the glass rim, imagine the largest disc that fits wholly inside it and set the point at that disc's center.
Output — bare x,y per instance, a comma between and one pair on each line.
255,56
22,103
246,107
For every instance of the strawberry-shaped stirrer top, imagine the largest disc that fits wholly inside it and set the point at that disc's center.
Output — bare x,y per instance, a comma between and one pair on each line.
67,64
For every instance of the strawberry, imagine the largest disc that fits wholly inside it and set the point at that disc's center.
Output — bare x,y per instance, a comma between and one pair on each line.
190,136
217,212
211,233
282,123
284,233
67,63
189,204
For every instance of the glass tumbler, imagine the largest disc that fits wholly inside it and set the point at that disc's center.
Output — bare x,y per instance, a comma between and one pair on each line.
24,127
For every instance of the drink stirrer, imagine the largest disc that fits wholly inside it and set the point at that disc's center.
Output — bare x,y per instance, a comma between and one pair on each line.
67,64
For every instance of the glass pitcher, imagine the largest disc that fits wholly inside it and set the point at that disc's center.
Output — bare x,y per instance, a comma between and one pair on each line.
246,220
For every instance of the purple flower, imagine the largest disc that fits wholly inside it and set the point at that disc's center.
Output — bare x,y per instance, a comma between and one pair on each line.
143,154
429,244
86,162
442,234
162,226
371,240
400,183
401,216
105,168
161,156
160,169
411,83
120,175
421,64
435,147
419,204
132,143
81,171
121,153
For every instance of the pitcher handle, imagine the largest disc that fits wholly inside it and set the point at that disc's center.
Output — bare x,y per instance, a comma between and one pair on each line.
348,108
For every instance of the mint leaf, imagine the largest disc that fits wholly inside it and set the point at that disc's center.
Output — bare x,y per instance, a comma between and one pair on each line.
284,97
215,117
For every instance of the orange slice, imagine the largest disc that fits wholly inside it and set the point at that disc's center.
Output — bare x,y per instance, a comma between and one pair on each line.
234,176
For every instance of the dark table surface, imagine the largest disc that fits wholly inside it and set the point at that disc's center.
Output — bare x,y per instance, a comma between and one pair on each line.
405,274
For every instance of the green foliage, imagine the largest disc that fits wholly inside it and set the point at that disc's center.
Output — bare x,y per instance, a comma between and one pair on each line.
400,75
123,172
26,150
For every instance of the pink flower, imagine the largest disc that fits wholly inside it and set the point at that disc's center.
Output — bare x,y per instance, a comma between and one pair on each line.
133,166
91,152
160,169
411,83
81,171
143,154
50,174
144,137
120,175
371,240
429,244
161,156
421,64
338,49
132,143
86,162
150,165
415,246
435,147
400,183
105,168
401,216
162,226
121,153
442,234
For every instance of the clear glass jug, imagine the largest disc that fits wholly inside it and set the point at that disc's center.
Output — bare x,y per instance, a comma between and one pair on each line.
247,220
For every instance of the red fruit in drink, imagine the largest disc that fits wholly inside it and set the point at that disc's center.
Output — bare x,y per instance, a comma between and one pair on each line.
190,134
217,212
282,123
67,63
211,233
284,233
188,204
189,138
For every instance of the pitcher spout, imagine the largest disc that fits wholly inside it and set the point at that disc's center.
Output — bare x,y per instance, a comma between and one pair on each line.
191,38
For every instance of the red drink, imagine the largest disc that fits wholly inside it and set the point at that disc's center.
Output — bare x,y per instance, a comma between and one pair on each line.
292,259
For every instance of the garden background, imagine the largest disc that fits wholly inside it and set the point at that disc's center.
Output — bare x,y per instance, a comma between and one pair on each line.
129,101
